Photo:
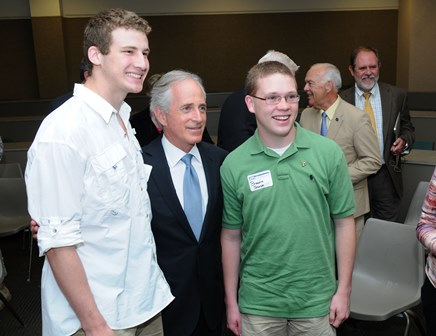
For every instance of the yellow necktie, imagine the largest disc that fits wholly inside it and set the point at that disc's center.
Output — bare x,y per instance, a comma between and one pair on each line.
369,110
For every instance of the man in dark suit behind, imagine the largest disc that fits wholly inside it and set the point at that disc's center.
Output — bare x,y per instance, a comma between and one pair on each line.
236,123
387,102
191,265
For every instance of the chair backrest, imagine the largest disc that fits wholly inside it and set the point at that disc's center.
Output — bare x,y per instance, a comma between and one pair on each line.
415,207
389,252
10,170
14,215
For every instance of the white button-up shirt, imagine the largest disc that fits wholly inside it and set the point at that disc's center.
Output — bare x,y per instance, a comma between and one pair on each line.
177,170
87,187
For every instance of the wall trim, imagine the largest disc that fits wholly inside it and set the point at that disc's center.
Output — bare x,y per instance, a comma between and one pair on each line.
84,8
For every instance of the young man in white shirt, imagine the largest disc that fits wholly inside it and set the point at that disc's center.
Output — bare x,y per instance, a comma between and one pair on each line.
87,189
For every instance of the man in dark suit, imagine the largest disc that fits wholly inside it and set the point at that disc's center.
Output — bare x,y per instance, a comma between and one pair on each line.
191,263
395,138
83,75
236,123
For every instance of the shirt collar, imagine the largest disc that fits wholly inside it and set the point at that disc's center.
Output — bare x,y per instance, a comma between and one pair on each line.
100,105
375,91
174,154
299,142
330,112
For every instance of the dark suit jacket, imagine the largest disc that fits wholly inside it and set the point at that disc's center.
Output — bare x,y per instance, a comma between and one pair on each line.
55,103
393,101
193,269
236,122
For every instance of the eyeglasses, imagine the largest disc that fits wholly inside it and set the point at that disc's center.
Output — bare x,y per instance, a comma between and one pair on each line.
274,100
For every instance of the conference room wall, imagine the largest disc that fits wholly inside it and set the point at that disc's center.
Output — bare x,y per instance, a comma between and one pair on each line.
220,48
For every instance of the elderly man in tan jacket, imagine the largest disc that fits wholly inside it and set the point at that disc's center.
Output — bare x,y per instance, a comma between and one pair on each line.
347,125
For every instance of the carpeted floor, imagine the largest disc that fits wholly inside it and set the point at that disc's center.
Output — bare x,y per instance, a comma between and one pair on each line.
26,298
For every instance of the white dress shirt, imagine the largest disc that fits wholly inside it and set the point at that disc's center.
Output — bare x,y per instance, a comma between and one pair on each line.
177,170
87,187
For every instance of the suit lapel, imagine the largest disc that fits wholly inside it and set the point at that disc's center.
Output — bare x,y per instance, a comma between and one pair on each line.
163,184
210,171
336,123
386,102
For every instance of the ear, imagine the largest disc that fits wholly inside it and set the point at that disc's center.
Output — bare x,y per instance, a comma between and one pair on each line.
249,103
161,116
329,86
350,68
94,55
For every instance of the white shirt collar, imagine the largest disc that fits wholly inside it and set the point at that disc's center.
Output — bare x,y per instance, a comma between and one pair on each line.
100,105
174,154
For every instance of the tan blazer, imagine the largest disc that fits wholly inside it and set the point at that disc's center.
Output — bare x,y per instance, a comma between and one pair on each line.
351,129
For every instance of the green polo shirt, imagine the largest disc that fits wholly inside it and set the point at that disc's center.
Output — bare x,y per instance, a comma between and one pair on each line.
285,206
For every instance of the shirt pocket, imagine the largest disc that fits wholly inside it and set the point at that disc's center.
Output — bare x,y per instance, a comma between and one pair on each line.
111,171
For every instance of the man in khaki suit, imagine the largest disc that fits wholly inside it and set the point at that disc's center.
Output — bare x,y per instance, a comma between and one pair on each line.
349,126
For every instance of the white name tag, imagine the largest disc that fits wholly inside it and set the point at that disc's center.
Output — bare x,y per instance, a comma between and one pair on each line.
260,180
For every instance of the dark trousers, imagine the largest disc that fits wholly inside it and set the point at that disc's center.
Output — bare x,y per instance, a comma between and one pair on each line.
203,330
428,299
171,328
384,200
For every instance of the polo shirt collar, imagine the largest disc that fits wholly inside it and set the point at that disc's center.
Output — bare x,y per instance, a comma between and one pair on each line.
299,142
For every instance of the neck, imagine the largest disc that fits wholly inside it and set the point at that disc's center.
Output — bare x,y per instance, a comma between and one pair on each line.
329,101
277,141
99,88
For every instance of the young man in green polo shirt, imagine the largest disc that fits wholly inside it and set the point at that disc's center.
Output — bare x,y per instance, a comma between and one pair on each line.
288,212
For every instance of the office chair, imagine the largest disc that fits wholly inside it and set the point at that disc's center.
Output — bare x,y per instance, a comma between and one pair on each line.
13,219
10,170
388,273
415,207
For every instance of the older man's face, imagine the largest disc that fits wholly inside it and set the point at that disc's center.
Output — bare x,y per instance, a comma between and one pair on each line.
315,88
366,70
184,123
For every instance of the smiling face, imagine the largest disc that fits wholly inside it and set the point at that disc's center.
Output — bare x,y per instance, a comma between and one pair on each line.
183,124
123,69
275,123
315,88
366,70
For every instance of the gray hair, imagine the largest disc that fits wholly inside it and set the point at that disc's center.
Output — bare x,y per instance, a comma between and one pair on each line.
280,57
331,73
161,96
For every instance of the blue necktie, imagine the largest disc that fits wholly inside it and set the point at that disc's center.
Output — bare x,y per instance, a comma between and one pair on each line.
192,197
324,124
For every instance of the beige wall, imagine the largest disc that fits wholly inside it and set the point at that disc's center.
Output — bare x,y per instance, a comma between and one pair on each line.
416,66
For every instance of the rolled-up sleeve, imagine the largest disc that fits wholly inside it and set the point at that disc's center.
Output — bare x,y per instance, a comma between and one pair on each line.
54,180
